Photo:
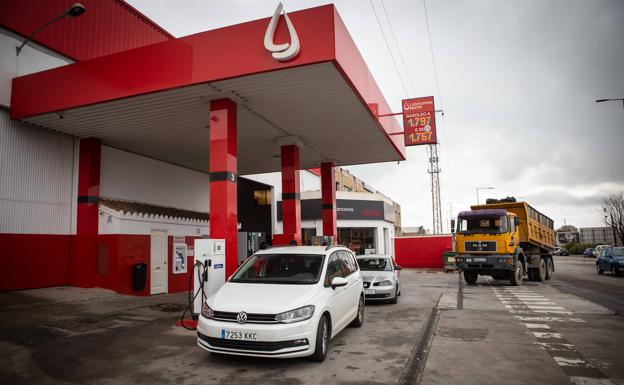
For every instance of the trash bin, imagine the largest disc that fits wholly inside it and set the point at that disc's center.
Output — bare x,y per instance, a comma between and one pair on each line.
139,273
449,261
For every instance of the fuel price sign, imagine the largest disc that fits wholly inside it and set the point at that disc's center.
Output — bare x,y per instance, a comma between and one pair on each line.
419,121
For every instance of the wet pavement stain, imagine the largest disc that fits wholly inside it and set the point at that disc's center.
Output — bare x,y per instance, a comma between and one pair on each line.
465,334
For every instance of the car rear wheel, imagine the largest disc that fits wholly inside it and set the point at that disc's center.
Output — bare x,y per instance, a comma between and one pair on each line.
599,270
322,340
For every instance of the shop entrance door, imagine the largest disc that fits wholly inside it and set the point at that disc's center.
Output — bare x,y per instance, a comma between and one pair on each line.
158,259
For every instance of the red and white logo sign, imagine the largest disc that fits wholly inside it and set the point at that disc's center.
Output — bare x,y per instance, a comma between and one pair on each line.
286,51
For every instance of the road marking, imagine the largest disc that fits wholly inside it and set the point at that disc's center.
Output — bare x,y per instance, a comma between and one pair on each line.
548,319
547,335
529,306
546,307
555,346
574,362
590,381
537,326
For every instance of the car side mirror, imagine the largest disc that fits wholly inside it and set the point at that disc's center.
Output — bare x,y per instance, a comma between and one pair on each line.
397,267
452,225
338,282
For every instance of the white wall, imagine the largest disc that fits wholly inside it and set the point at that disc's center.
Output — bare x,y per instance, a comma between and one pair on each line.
37,179
131,177
33,58
111,222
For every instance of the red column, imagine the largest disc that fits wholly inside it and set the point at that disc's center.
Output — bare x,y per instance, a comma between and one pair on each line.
224,179
291,200
328,196
82,266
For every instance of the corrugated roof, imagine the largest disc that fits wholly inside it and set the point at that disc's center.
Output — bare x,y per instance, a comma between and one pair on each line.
146,208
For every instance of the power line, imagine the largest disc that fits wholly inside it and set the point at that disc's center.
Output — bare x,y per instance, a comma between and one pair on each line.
396,68
435,68
396,42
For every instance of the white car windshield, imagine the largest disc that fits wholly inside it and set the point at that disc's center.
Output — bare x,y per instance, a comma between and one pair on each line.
289,269
374,264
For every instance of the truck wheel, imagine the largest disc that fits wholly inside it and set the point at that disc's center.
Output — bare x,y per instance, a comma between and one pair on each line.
541,272
550,268
471,276
516,276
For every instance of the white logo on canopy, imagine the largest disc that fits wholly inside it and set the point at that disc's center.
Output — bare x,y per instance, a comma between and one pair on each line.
286,51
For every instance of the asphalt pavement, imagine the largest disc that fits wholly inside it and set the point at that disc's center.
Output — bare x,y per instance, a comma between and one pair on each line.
565,331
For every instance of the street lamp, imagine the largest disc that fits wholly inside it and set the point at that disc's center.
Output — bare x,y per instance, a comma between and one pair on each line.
610,100
482,188
74,11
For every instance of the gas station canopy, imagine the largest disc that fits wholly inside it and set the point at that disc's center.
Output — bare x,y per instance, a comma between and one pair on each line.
155,100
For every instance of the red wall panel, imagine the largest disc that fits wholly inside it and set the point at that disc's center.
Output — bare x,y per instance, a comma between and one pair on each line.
121,252
107,26
421,252
33,260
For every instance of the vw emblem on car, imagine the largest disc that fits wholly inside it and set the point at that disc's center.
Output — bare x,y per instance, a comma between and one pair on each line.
241,317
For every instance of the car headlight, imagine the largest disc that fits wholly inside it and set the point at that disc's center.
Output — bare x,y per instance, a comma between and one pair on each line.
206,311
385,282
297,315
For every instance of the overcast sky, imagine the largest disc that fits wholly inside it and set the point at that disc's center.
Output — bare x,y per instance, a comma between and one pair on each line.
518,80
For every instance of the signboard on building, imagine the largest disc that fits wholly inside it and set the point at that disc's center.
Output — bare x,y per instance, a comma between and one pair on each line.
419,121
565,237
348,209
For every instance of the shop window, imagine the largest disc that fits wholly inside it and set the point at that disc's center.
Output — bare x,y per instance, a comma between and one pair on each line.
262,197
361,240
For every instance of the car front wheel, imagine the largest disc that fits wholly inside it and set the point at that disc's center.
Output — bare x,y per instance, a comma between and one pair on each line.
599,270
359,318
322,340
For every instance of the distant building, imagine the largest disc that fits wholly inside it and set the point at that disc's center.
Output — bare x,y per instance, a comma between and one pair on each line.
598,235
565,237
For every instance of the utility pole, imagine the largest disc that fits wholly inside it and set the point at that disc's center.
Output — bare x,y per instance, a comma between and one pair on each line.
434,171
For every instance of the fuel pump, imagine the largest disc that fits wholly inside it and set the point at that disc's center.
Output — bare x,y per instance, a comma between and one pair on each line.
207,276
209,270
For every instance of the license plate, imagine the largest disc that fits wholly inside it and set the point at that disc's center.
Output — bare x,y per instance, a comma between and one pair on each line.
239,335
369,291
479,259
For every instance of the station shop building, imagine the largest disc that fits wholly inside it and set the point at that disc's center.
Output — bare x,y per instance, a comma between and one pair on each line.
120,143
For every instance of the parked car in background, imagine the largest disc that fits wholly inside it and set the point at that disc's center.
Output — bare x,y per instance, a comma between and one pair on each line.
284,302
381,278
561,251
598,249
589,253
611,259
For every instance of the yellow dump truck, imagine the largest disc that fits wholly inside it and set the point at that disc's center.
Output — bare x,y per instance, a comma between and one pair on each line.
505,239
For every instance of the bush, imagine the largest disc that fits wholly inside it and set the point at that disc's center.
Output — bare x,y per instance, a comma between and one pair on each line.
577,248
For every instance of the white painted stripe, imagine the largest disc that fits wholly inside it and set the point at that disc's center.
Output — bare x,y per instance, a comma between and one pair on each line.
552,311
546,307
537,326
543,303
548,319
547,335
590,381
555,346
574,362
